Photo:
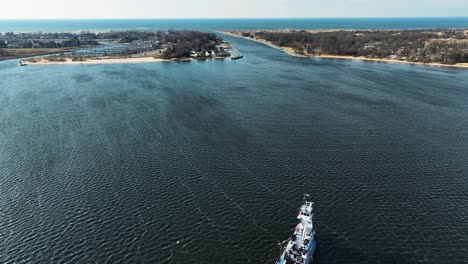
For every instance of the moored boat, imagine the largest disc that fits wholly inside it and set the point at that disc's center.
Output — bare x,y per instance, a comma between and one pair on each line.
302,246
237,57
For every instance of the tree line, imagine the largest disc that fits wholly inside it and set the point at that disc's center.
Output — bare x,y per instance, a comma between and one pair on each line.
443,46
181,43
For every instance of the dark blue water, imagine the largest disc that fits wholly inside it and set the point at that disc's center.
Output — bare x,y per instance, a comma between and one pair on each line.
206,162
230,24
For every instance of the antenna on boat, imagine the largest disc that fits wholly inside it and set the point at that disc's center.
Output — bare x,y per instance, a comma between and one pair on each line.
307,200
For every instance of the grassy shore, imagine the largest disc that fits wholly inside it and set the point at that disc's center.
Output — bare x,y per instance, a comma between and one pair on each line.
24,53
295,53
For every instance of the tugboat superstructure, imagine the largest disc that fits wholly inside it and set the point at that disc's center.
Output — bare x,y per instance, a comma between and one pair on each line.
300,248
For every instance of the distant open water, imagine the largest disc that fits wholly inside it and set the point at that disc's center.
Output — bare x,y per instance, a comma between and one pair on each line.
229,24
206,162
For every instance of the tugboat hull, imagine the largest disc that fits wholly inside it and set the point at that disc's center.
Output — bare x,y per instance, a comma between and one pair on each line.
301,248
311,256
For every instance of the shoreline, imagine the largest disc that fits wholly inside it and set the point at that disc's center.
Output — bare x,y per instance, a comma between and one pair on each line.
24,53
69,61
291,52
107,60
34,53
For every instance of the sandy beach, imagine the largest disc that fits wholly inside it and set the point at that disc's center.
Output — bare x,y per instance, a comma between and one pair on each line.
292,52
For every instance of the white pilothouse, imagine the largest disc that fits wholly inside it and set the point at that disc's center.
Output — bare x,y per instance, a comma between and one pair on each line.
300,248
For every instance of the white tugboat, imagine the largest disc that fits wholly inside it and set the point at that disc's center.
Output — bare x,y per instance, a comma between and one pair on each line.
300,248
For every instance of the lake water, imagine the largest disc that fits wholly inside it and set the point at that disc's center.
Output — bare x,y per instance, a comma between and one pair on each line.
207,162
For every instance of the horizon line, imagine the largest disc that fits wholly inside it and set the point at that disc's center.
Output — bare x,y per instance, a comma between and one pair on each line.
237,18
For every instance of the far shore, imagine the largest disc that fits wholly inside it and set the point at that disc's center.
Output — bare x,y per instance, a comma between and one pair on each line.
105,60
292,52
69,61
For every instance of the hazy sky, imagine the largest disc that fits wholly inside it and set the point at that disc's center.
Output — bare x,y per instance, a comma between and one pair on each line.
31,9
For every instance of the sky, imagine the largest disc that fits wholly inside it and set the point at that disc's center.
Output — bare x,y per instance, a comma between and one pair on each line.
86,9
